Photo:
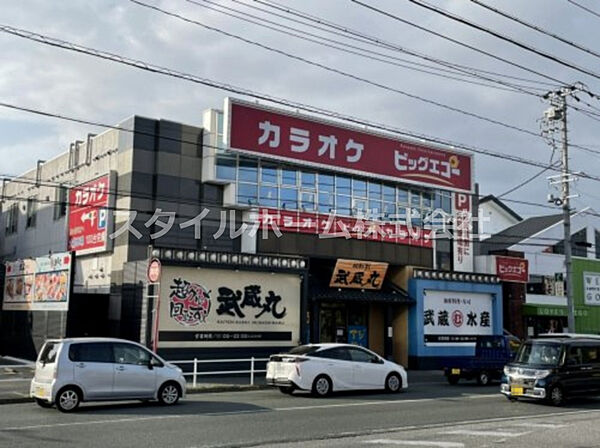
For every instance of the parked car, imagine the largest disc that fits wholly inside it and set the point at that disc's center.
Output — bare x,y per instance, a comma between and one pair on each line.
492,353
326,368
69,371
554,369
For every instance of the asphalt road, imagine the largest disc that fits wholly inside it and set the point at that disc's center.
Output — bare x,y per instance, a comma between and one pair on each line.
430,413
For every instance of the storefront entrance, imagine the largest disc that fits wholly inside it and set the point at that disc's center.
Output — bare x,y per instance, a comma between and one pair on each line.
341,322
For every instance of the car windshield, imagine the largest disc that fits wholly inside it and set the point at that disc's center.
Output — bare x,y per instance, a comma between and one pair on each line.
304,349
539,354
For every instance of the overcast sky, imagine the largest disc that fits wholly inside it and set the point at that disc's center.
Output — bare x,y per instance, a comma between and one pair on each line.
58,81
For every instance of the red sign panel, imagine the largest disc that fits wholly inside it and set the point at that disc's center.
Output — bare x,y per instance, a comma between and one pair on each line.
89,216
331,226
510,269
280,135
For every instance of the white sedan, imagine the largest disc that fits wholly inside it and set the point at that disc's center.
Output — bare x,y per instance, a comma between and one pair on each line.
325,368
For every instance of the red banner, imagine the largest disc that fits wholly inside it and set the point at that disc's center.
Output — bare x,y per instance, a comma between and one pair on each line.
329,145
510,269
89,216
332,226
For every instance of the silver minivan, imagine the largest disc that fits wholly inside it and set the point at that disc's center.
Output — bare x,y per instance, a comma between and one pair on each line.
69,371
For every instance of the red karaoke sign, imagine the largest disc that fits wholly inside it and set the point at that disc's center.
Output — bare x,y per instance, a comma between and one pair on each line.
89,216
510,269
281,135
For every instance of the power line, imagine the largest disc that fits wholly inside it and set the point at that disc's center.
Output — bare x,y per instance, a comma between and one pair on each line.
360,51
591,11
246,92
339,72
458,42
505,38
536,28
375,40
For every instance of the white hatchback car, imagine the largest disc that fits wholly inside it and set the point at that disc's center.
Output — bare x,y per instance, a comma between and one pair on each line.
69,371
324,368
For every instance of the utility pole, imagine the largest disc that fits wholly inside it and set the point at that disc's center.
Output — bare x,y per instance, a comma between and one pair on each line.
557,113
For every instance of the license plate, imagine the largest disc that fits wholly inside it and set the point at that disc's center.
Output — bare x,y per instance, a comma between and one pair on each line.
41,392
455,372
516,390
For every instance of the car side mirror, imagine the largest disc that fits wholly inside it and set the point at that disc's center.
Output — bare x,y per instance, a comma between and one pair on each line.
376,361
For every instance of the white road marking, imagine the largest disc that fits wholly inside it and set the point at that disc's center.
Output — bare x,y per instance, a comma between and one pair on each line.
425,443
484,433
93,422
16,380
21,394
540,425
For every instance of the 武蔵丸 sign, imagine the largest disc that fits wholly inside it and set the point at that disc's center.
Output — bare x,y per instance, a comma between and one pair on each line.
358,274
286,136
456,317
40,284
591,288
89,216
219,308
511,269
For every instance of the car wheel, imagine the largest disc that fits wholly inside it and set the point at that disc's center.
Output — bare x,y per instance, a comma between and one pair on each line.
169,394
453,379
556,396
393,383
288,390
43,403
68,399
321,386
483,378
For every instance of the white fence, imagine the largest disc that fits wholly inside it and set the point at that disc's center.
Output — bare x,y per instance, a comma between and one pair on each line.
196,362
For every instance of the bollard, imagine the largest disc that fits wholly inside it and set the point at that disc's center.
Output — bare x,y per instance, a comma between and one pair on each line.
194,381
252,371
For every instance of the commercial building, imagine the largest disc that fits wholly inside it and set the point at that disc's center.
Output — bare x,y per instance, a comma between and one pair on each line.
271,228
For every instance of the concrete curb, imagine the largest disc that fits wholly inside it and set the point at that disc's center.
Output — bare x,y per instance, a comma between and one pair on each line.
189,391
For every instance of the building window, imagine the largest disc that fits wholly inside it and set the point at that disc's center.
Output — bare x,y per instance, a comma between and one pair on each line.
307,201
60,201
308,181
289,199
247,194
443,254
289,177
359,188
248,171
268,174
268,196
31,211
226,167
12,219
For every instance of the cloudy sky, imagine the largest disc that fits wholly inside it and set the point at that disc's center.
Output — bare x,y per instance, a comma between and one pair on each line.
58,81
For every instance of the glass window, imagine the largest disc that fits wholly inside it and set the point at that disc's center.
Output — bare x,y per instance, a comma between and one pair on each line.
289,176
402,195
304,349
339,353
539,354
343,205
326,202
248,171
307,201
325,183
359,188
247,194
48,355
389,210
60,204
226,168
415,199
374,191
92,352
389,193
359,207
342,185
359,355
288,199
268,174
443,254
402,213
12,219
268,196
31,211
130,354
426,199
308,180
374,208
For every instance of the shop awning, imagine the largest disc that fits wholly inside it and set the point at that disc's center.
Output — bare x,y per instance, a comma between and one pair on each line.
389,293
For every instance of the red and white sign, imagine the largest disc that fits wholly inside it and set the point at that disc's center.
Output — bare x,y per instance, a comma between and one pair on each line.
89,216
285,136
511,269
463,222
154,270
332,226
